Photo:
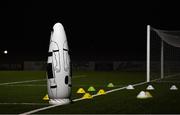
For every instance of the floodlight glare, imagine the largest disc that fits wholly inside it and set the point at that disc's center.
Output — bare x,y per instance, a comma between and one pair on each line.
5,52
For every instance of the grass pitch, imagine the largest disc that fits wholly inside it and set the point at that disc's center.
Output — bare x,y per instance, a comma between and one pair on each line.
22,91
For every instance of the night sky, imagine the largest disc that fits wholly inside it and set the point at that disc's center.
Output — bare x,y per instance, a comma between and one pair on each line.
95,30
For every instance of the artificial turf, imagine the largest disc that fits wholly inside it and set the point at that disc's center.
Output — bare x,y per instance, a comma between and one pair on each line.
123,101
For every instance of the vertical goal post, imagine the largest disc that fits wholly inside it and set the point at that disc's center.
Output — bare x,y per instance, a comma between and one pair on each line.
163,53
148,54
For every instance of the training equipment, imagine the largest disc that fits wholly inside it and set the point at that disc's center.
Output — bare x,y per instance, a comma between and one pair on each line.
141,95
80,90
101,92
87,96
129,87
163,55
144,95
58,67
91,88
173,87
148,94
150,87
110,85
46,97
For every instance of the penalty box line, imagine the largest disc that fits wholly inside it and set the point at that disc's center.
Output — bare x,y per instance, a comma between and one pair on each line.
79,99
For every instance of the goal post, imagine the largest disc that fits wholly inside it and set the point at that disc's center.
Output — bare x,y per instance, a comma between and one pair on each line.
162,59
163,54
148,54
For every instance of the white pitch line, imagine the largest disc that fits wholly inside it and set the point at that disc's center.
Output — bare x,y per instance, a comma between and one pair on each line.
36,85
24,103
113,90
27,81
33,85
9,84
168,81
40,109
79,99
166,77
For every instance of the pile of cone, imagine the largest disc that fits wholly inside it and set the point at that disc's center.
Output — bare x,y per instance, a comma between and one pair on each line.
87,95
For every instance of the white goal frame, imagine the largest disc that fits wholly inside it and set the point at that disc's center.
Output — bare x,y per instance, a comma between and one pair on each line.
148,79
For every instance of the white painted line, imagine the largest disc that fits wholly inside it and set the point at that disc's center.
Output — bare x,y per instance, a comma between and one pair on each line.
40,109
166,77
168,81
75,100
24,85
28,81
79,99
24,103
113,90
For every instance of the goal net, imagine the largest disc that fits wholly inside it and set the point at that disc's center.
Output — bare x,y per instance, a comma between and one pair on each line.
163,55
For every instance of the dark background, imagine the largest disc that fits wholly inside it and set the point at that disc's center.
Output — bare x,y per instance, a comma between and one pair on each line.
95,30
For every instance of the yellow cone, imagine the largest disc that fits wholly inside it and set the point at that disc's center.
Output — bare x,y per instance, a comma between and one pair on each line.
101,92
87,96
148,94
80,90
46,97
